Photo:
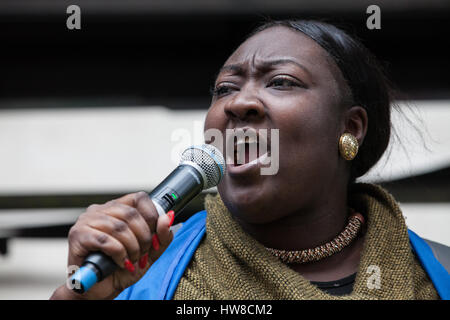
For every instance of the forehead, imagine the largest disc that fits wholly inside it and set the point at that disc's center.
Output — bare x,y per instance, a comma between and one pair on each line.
277,41
282,42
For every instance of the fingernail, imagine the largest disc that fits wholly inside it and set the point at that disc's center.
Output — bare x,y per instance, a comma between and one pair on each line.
171,215
155,242
129,266
143,261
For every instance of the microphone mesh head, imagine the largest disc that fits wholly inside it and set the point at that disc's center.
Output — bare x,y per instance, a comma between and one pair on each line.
209,159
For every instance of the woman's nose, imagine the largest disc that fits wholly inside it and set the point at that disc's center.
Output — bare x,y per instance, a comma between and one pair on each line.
244,105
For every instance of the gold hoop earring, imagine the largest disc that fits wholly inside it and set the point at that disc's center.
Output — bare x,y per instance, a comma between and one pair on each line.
348,146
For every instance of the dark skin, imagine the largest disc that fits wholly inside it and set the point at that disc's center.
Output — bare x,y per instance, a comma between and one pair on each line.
292,86
295,87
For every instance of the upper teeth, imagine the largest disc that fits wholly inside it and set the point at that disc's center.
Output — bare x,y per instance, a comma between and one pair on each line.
247,139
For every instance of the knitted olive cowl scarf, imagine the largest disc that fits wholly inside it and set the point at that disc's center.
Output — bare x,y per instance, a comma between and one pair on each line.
229,264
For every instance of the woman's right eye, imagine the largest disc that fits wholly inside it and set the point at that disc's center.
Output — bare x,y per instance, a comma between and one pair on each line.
221,90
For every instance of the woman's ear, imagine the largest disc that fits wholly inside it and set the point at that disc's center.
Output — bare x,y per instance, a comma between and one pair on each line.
356,122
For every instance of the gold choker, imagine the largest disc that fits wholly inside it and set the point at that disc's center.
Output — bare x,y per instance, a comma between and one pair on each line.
355,222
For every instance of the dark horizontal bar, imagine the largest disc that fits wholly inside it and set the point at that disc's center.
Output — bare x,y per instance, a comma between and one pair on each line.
83,201
138,58
39,7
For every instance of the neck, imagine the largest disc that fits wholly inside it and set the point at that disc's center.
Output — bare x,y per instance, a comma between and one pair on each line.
302,229
307,229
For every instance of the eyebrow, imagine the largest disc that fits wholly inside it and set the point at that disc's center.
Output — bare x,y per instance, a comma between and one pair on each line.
239,69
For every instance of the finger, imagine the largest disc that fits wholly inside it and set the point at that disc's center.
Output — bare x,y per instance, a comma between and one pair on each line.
144,204
85,240
163,231
163,236
135,222
119,230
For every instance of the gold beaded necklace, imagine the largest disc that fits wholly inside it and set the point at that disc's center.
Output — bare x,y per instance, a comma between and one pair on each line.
355,222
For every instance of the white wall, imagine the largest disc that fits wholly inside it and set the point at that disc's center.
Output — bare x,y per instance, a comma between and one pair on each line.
92,150
103,150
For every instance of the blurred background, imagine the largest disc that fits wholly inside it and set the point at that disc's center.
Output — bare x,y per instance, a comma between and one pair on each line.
88,115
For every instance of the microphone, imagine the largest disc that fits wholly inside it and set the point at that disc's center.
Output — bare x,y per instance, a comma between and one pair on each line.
201,167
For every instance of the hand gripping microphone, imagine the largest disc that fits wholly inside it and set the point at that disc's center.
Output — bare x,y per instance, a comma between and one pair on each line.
201,167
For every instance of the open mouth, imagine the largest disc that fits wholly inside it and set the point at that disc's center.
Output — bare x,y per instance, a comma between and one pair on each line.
248,146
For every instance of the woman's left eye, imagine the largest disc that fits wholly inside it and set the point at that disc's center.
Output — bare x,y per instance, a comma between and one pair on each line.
283,82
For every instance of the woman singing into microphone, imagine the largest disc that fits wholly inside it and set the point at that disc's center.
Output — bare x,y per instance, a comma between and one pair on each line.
307,232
